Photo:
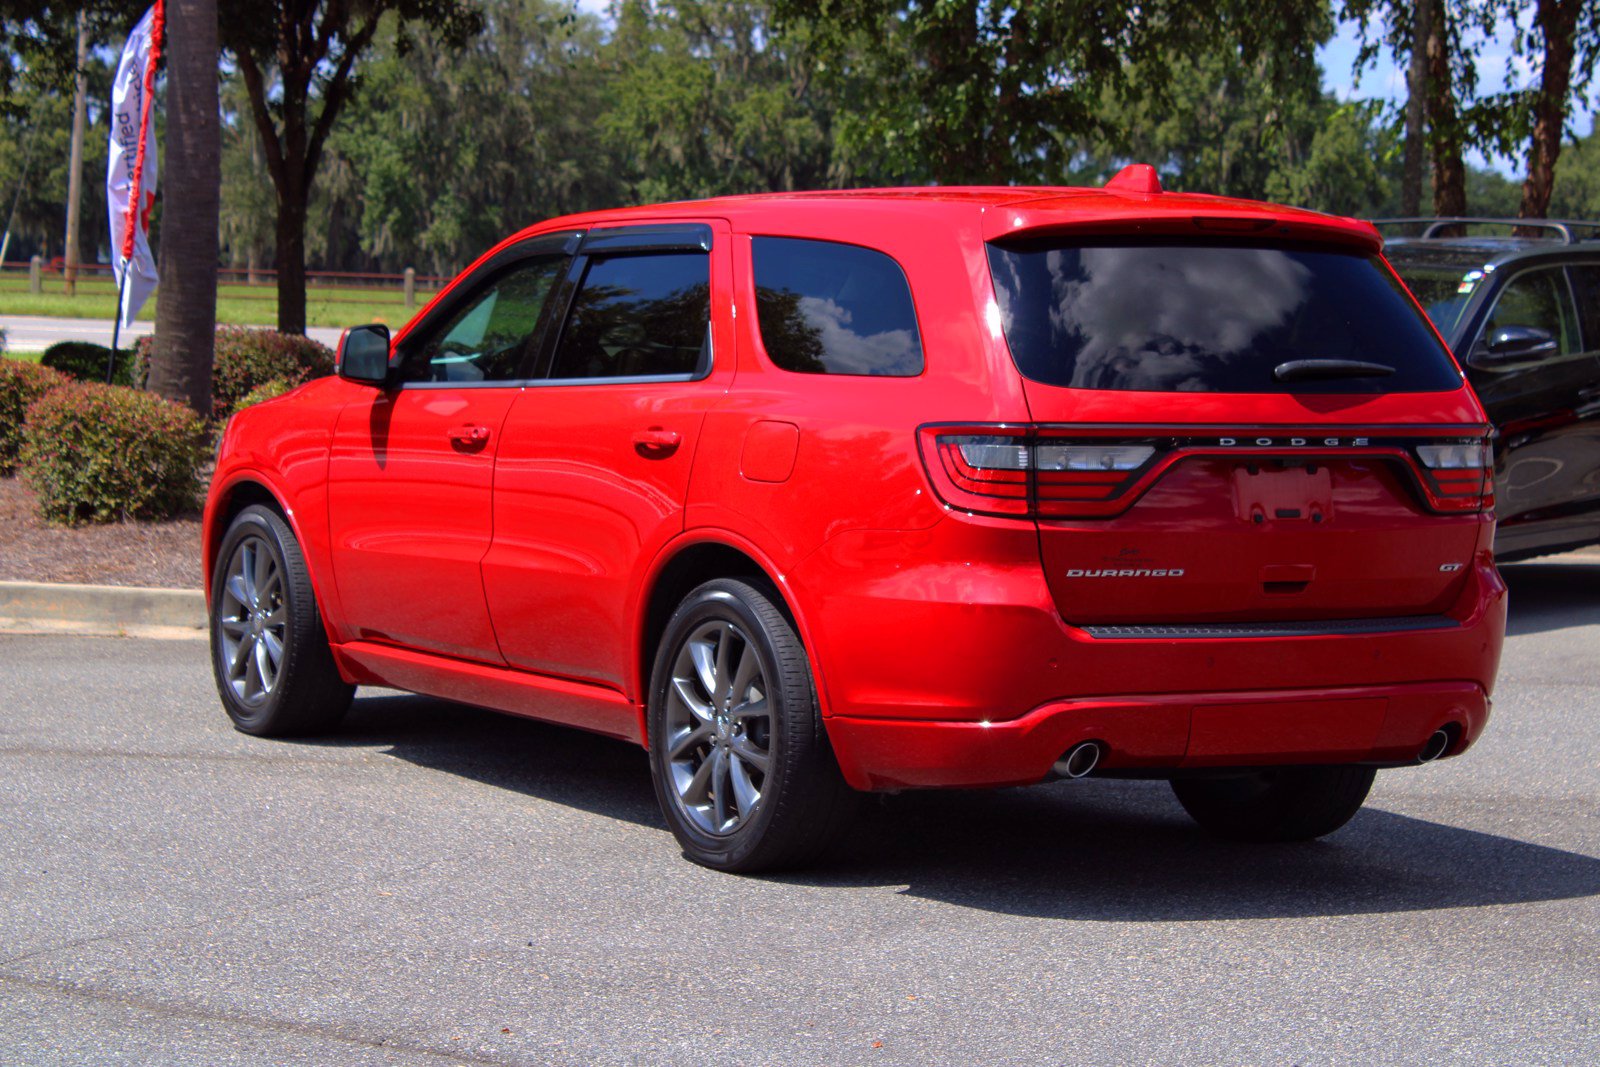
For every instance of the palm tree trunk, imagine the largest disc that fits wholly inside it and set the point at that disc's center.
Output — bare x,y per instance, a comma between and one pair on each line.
186,302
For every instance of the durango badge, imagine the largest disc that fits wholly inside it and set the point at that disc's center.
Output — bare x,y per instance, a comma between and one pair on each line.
1169,572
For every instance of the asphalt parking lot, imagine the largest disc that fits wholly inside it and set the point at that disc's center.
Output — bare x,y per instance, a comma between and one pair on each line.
437,884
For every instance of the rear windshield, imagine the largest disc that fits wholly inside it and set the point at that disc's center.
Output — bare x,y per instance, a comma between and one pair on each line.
1202,318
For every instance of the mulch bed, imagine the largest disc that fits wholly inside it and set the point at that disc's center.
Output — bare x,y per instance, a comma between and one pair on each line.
165,554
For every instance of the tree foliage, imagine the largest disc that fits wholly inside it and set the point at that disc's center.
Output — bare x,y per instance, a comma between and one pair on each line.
298,62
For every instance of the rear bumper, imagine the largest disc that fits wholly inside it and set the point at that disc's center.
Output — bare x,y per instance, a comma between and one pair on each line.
1358,724
941,660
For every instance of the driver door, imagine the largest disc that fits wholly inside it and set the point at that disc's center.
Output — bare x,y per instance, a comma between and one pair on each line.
411,469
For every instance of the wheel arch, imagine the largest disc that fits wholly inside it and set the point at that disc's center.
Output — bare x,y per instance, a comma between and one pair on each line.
694,559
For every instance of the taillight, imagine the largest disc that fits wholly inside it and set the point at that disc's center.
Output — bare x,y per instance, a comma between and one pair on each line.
1016,473
1458,475
1048,473
986,473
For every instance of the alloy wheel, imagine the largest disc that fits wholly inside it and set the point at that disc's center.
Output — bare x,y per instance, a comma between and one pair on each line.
719,728
253,620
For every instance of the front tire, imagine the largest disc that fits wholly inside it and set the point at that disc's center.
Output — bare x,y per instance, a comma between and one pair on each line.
1277,803
741,764
269,651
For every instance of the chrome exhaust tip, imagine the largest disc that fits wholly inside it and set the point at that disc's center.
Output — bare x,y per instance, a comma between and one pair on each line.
1437,745
1080,760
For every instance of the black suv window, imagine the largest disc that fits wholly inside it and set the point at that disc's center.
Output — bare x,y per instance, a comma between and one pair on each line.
487,337
1586,288
638,316
828,308
1537,299
1187,317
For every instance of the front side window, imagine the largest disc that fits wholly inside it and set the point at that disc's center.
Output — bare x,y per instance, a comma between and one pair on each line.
1536,299
638,316
1174,317
829,308
487,338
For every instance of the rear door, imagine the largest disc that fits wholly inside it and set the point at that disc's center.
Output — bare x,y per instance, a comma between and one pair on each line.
592,476
1235,432
1544,443
412,467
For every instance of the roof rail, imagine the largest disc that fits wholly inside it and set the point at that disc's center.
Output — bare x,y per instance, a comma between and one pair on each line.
1563,228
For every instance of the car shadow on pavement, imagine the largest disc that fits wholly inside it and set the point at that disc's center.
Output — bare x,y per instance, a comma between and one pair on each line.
1113,851
1096,849
1548,596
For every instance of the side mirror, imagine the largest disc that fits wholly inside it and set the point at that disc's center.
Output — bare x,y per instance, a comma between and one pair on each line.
363,354
1515,344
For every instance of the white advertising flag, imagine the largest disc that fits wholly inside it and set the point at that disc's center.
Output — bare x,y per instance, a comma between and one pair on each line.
131,170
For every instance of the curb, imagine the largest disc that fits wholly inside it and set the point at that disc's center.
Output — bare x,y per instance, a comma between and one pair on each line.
102,610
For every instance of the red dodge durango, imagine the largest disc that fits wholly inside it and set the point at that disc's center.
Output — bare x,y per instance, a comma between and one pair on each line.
820,493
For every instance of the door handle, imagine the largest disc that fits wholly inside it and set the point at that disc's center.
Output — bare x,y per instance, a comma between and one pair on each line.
473,437
656,443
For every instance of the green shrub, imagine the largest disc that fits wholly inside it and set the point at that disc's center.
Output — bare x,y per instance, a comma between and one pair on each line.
246,358
99,453
87,362
20,385
265,391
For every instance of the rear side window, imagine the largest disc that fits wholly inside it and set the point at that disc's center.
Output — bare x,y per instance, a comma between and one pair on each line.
829,308
1196,318
638,316
1586,287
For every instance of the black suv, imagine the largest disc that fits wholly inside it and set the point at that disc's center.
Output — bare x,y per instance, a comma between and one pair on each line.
1522,314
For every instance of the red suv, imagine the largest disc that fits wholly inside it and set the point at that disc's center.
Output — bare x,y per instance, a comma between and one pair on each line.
880,490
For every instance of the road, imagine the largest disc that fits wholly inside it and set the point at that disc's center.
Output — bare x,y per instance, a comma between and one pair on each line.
442,885
25,333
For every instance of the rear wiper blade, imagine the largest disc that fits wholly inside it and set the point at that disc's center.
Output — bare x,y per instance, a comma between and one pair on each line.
1299,370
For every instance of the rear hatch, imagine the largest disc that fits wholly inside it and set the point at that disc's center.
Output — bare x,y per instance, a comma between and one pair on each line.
1231,431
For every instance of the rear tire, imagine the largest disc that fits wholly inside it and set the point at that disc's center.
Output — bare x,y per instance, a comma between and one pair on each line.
1276,804
741,764
269,651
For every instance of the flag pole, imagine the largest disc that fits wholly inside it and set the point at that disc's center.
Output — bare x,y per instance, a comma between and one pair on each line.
116,324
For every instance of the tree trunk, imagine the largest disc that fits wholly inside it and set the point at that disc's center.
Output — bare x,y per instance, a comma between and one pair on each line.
80,100
186,302
1449,172
291,261
1558,22
1416,110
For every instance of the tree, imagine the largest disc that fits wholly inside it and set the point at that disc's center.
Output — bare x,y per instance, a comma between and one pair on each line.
39,40
426,188
967,91
1563,31
1430,37
186,301
298,61
709,98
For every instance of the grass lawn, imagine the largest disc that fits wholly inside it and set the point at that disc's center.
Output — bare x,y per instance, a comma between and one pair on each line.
242,305
26,357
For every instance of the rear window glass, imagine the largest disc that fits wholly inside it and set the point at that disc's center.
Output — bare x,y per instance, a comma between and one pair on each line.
1195,318
1442,291
828,308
